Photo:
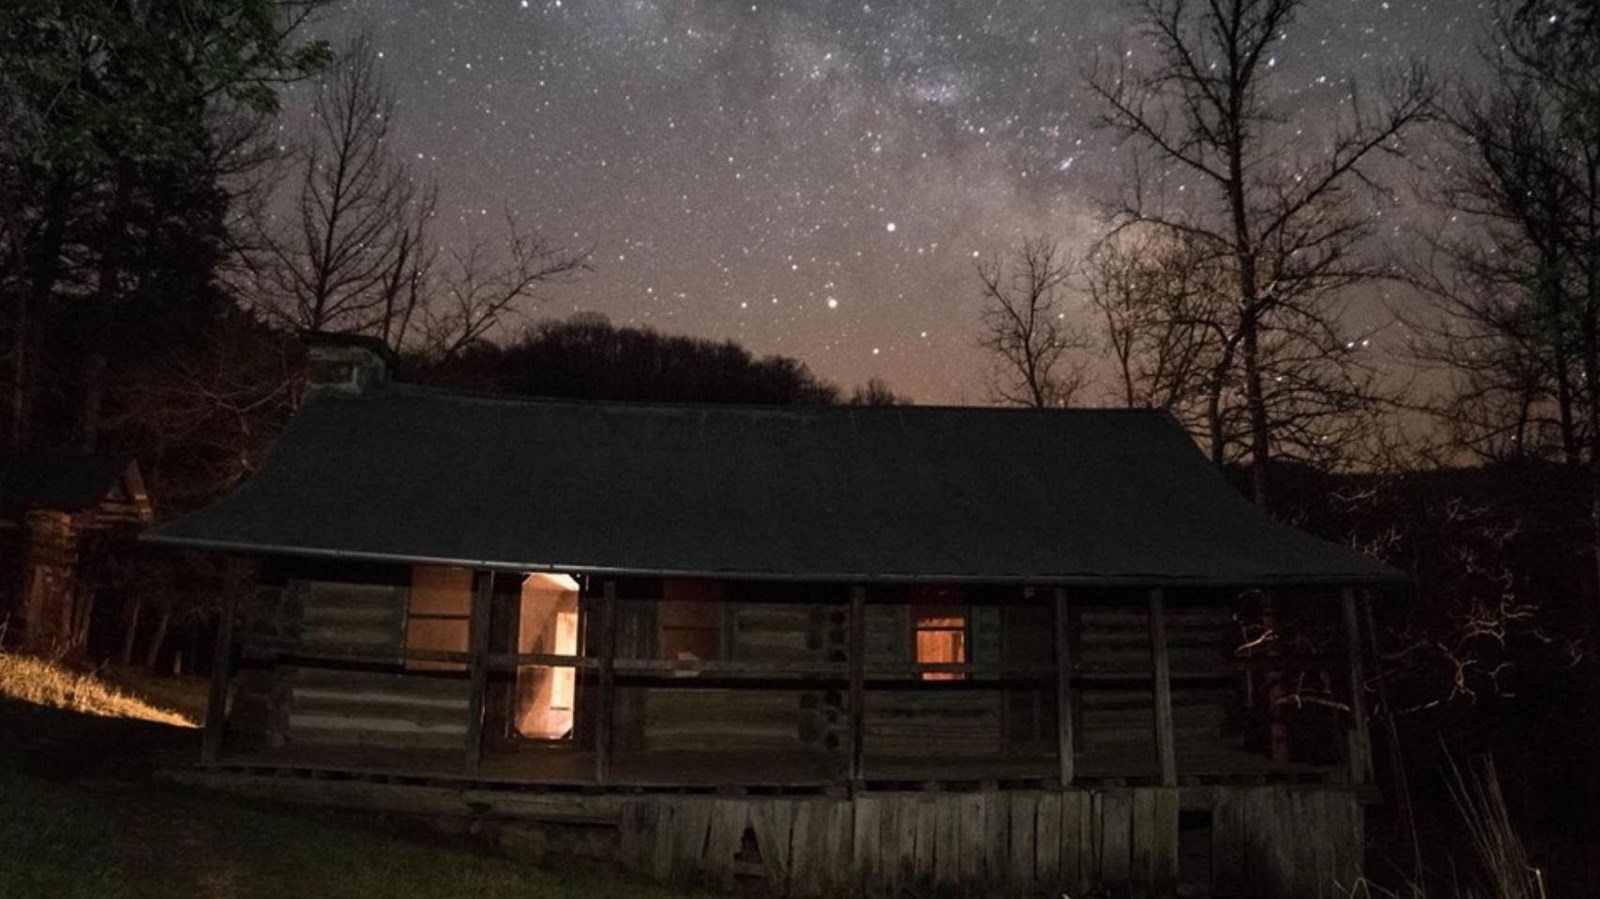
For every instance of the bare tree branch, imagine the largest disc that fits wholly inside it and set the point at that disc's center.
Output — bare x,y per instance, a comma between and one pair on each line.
1026,329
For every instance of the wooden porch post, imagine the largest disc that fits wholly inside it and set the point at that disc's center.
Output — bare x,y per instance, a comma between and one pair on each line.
221,673
1166,753
858,686
608,653
1360,748
478,667
1063,687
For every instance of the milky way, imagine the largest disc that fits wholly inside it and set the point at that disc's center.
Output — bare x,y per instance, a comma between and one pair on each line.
808,178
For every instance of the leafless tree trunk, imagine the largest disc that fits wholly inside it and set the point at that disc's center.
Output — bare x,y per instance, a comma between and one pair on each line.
1026,329
130,628
113,241
358,250
152,651
1248,186
41,257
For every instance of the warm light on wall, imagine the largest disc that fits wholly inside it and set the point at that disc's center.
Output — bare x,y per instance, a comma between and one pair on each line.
941,640
562,689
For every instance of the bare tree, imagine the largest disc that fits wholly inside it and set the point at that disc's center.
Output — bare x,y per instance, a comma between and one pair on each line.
1517,290
1160,307
481,286
1221,167
1507,323
1026,327
357,254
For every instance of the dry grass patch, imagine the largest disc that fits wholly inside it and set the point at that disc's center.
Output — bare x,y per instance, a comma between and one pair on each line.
40,682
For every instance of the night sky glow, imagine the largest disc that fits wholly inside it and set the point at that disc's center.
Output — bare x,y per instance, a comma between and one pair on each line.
808,178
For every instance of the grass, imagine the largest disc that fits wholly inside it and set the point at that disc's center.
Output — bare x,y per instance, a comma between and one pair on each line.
42,683
1499,866
1506,870
183,694
79,817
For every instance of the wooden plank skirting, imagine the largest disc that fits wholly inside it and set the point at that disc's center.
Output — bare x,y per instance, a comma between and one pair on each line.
1263,841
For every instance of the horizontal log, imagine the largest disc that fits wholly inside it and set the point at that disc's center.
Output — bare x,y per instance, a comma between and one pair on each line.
353,596
689,719
770,641
368,738
334,616
917,669
824,669
1099,670
406,682
395,717
332,722
510,660
360,652
396,698
369,639
1139,617
717,666
346,652
880,672
768,618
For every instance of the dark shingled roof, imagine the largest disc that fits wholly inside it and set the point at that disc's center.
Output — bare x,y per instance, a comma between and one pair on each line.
895,493
66,482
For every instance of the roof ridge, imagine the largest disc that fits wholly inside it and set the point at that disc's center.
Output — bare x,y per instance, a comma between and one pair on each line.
402,389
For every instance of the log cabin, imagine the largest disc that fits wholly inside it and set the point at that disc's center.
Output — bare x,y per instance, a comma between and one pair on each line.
832,650
54,508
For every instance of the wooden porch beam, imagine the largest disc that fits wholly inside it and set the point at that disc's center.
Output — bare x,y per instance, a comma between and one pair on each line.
221,673
603,702
1063,687
1360,740
1166,752
858,685
478,667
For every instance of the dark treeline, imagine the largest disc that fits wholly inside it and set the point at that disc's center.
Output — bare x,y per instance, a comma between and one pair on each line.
127,131
586,357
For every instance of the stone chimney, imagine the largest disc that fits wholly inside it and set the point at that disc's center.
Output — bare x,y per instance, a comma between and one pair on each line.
346,363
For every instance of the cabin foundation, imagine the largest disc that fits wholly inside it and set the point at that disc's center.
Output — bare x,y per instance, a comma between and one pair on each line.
1301,841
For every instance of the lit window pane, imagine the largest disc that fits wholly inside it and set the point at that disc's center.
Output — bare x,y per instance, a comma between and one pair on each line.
941,640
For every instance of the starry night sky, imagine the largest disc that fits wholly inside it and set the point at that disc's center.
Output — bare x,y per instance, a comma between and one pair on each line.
812,178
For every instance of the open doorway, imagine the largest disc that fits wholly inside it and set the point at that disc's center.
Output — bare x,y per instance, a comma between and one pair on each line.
547,623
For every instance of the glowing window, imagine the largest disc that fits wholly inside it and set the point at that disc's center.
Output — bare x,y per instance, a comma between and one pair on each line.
563,680
941,635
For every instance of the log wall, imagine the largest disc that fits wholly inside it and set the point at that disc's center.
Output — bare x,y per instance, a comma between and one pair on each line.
423,708
773,683
1114,701
41,617
376,709
747,718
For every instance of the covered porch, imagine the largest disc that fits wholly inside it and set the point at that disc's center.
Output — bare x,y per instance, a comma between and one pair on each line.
686,684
